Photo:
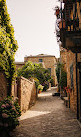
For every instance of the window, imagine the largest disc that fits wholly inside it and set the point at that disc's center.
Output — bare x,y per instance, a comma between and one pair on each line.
40,60
49,69
71,75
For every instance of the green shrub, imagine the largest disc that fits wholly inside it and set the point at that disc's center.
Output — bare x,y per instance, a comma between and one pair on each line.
61,75
36,71
46,85
52,82
63,79
9,113
8,45
40,87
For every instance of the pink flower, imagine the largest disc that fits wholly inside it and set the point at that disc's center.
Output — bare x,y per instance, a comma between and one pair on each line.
68,89
13,107
17,113
3,106
7,105
4,115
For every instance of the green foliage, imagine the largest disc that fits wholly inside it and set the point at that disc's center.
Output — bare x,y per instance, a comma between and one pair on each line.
58,70
46,85
61,75
27,70
63,79
8,45
6,25
52,82
41,73
34,70
40,87
9,113
36,82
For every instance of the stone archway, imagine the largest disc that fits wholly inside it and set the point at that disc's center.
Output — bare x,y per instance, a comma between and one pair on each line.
3,85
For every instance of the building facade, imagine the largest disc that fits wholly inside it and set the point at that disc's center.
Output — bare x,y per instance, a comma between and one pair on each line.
19,64
73,69
70,36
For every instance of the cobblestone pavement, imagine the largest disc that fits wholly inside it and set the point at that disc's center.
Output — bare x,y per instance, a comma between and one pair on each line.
48,118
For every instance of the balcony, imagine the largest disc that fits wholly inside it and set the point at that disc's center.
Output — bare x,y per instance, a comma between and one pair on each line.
70,25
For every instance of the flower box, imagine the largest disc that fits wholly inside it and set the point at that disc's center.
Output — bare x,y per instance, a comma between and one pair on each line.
62,24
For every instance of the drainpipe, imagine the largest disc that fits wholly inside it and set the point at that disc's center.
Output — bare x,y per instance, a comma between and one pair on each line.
77,88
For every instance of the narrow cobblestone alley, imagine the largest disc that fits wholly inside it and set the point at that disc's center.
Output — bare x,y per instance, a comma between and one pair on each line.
48,118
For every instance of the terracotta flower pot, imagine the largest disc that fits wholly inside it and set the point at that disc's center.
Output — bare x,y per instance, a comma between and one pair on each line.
60,24
39,91
57,12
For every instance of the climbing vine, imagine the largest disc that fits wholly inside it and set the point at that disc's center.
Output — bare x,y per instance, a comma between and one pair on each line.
61,75
8,45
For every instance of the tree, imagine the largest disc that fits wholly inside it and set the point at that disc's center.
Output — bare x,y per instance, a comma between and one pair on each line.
8,45
58,71
63,79
27,70
61,75
35,70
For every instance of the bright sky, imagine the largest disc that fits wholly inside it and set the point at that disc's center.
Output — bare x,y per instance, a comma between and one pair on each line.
34,25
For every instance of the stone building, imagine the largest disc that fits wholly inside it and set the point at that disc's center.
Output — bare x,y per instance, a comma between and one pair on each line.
63,57
73,70
70,67
72,64
49,62
19,64
70,36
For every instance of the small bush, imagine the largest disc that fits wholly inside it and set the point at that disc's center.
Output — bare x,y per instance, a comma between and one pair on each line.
46,85
63,79
52,82
36,82
9,113
40,87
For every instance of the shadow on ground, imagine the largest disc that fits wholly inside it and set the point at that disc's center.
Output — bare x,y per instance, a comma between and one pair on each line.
48,118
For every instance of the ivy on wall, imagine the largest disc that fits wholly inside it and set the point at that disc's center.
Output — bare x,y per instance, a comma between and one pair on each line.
61,75
8,44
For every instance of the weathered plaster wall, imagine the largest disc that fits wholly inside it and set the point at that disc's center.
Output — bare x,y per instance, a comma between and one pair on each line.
3,85
26,93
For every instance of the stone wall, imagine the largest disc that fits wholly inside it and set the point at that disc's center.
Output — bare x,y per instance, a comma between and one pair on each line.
19,64
69,59
3,85
26,93
63,54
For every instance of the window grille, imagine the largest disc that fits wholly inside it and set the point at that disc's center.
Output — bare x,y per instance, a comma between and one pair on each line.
40,60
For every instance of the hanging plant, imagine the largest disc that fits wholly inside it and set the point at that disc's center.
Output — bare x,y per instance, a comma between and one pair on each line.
57,12
68,89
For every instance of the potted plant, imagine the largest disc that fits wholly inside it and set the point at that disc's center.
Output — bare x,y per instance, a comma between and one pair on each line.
62,24
57,11
68,89
9,114
40,88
